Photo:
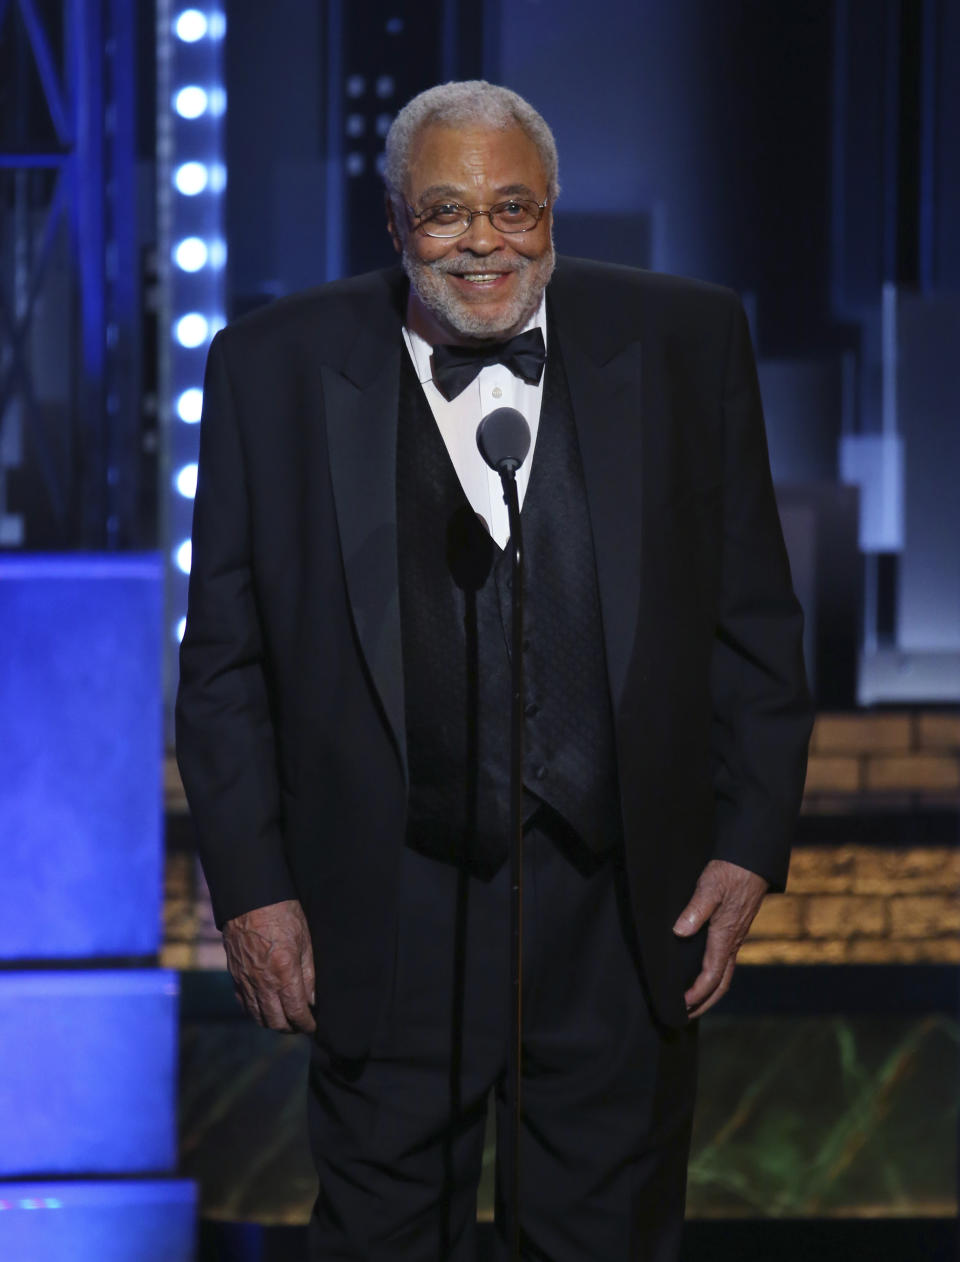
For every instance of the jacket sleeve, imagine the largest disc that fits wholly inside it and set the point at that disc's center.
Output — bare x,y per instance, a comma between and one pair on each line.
762,714
225,736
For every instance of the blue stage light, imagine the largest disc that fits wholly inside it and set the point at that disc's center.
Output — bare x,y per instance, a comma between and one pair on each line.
191,101
191,254
186,481
192,330
180,630
190,405
191,25
191,178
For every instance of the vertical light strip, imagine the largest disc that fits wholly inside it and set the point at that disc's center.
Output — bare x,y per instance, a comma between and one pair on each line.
191,177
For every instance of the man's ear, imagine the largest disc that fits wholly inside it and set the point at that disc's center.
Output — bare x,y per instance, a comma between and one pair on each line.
392,227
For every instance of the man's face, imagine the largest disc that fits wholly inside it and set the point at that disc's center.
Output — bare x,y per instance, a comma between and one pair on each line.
486,283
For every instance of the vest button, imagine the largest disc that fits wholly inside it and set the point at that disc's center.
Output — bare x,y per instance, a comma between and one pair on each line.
540,772
530,709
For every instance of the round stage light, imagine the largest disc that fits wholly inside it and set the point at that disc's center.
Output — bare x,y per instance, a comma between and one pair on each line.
186,481
180,630
217,254
191,178
190,102
192,329
183,556
191,254
191,25
190,405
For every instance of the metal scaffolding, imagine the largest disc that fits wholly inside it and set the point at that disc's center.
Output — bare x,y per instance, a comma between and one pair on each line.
69,276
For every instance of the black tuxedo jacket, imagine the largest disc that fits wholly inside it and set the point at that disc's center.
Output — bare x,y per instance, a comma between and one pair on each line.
290,716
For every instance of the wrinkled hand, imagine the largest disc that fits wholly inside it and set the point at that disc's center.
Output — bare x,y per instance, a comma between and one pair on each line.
270,957
727,898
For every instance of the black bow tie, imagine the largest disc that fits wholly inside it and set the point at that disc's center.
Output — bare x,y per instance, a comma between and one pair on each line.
454,367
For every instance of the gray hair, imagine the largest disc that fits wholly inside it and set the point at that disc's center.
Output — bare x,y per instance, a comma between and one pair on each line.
467,103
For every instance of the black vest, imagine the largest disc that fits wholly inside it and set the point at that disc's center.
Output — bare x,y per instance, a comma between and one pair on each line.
455,628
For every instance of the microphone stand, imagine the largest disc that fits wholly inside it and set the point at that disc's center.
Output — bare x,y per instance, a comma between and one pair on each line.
503,437
515,1051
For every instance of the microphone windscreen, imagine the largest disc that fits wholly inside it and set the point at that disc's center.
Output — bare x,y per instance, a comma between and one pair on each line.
503,437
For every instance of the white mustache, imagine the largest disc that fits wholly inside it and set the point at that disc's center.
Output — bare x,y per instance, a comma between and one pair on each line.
451,268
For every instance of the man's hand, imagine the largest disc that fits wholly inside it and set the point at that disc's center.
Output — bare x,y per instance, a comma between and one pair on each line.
728,897
270,957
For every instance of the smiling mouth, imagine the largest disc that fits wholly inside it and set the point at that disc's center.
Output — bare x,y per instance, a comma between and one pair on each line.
480,278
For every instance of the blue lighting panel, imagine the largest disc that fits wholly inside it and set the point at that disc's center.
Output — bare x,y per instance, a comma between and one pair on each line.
87,1072
80,785
97,1222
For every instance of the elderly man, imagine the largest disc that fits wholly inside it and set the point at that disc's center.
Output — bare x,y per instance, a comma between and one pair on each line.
343,719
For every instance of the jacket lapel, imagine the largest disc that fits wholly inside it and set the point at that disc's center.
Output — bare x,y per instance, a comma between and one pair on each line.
361,401
604,376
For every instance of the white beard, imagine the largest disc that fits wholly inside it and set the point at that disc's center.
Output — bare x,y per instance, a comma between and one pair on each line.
465,319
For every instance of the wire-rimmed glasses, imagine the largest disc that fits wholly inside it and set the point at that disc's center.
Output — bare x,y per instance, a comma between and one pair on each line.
451,219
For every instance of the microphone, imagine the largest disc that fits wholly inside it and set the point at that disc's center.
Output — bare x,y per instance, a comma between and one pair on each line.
503,437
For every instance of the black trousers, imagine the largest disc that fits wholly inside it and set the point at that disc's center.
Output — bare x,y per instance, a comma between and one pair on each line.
608,1095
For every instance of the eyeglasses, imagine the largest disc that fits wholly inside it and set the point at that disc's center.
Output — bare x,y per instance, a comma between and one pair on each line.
450,219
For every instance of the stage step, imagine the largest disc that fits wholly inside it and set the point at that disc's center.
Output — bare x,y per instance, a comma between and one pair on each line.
130,1221
88,1084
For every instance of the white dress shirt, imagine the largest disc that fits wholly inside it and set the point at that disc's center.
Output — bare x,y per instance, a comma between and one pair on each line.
457,420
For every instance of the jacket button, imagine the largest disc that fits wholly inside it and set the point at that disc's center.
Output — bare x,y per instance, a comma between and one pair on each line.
540,772
530,709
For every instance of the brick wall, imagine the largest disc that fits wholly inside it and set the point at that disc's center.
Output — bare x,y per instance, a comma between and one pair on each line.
894,753
860,905
863,904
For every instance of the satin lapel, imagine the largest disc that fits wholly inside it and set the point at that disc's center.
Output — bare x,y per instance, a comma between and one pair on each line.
605,394
362,438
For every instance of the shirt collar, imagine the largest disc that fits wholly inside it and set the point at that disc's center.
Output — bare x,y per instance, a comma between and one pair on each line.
421,350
